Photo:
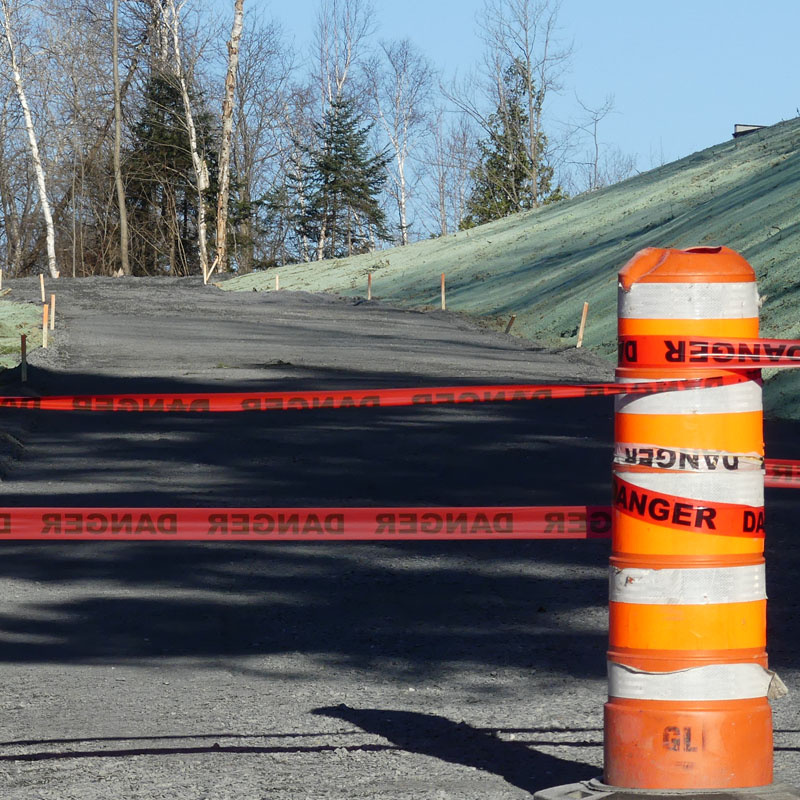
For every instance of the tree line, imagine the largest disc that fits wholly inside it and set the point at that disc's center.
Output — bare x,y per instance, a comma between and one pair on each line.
136,138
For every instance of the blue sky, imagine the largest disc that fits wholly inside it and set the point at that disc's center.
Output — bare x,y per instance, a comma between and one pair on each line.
681,72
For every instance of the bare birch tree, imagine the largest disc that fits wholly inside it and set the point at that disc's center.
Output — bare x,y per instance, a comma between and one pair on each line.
198,162
225,146
34,147
400,89
118,182
520,36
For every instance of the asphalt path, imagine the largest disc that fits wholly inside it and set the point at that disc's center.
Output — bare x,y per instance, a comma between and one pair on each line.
278,670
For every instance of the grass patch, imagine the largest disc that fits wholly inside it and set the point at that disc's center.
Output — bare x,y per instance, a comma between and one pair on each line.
17,319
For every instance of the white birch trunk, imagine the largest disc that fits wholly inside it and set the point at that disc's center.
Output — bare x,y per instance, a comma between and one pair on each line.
123,211
227,126
198,163
35,158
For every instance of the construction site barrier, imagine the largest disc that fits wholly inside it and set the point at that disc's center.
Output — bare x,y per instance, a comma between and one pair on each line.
694,351
355,398
687,666
305,524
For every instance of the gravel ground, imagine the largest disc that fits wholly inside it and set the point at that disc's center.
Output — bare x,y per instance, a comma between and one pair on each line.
283,671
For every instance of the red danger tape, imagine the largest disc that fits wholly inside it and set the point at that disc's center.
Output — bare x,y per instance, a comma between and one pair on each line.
680,513
369,398
781,473
660,351
305,524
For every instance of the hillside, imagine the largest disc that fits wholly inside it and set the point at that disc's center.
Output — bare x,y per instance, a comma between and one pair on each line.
542,265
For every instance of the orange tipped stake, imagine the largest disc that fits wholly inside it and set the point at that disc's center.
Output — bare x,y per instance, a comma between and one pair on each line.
369,286
45,315
52,312
510,322
443,303
41,286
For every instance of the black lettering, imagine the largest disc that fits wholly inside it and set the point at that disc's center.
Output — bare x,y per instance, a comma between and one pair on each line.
251,404
503,523
5,524
682,513
96,523
676,352
730,462
431,523
692,459
723,352
51,523
334,523
421,399
658,509
73,523
745,353
665,458
272,403
555,522
239,523
600,522
385,523
711,461
217,524
698,352
577,520
687,741
312,525
148,404
705,516
127,404
145,525
264,523
200,404
297,403
481,524
672,738
774,351
539,394
628,352
370,401
121,523
408,523
753,522
468,397
167,523
455,522
637,502
289,524
646,456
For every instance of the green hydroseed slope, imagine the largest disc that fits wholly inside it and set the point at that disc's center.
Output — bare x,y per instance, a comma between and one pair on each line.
542,265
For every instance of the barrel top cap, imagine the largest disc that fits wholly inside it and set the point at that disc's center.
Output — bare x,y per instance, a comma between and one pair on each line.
694,265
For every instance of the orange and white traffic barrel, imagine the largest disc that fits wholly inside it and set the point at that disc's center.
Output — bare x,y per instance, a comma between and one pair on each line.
688,682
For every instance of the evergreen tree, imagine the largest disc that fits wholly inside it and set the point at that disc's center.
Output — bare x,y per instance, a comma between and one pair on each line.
160,177
505,179
342,181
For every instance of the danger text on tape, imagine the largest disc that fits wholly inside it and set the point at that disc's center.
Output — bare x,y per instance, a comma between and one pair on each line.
306,524
722,519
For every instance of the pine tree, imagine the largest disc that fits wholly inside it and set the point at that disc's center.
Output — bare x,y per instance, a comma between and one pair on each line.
504,177
160,180
342,183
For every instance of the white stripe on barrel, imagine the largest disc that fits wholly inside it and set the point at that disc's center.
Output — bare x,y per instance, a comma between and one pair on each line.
706,586
689,301
711,682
